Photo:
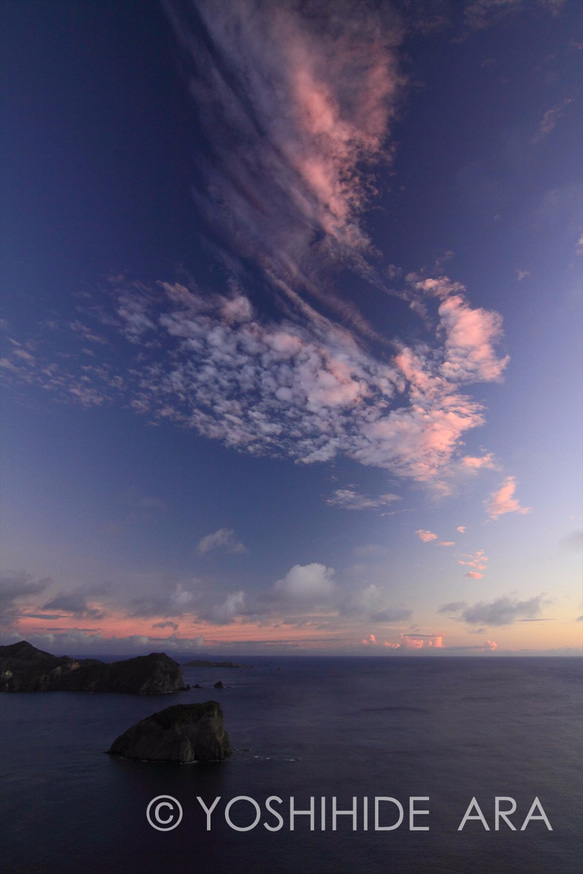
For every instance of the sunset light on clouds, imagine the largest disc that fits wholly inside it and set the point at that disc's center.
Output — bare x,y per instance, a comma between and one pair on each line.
291,342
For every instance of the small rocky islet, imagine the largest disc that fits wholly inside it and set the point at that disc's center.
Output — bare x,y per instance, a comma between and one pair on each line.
180,733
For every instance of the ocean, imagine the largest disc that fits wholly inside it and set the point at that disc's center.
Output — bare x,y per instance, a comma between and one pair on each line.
340,765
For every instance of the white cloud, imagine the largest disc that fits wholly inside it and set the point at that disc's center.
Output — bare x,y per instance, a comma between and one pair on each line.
307,584
373,603
225,612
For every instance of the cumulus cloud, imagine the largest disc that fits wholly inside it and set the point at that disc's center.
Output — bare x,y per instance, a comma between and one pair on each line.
422,641
224,538
307,584
461,529
224,612
501,611
373,603
425,536
503,500
349,499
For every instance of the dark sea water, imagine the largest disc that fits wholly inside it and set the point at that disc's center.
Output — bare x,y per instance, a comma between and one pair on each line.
443,729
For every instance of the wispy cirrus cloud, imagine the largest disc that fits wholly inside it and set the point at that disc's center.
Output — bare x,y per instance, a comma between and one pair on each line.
349,499
294,100
479,14
224,538
551,118
503,501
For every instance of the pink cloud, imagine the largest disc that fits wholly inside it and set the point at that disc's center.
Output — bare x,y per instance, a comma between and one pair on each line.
446,543
422,641
461,529
470,337
503,500
472,462
425,536
478,562
474,575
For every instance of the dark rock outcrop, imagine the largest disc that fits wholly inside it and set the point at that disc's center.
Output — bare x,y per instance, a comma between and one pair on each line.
219,684
24,668
182,733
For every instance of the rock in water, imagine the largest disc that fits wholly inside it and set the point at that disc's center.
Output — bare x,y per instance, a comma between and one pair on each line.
182,733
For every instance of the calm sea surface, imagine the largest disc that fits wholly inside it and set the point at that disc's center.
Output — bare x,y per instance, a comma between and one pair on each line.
443,730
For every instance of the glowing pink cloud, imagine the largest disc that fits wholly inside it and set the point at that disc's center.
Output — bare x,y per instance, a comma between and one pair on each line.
470,337
478,561
483,462
503,500
422,641
425,536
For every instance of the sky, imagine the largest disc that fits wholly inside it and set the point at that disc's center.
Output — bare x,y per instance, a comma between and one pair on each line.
291,334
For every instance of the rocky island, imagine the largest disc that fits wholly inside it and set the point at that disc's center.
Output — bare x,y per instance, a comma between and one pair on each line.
24,668
182,733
